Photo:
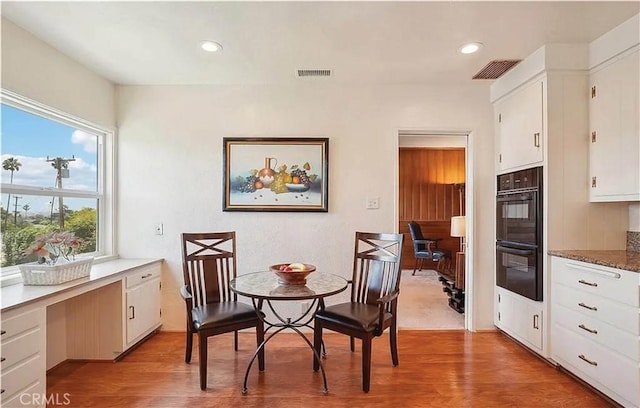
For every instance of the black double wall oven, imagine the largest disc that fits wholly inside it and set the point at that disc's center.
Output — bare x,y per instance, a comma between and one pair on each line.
519,232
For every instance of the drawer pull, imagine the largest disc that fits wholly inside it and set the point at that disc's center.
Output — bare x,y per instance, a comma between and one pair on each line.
2,332
585,328
133,312
146,276
2,391
584,282
2,359
595,309
593,363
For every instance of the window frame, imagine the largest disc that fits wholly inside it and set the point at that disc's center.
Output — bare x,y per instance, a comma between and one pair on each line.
104,195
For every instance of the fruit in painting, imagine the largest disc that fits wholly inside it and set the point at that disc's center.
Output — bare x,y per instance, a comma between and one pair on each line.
295,180
259,185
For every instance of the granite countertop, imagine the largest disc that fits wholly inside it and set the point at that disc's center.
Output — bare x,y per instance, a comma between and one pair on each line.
626,260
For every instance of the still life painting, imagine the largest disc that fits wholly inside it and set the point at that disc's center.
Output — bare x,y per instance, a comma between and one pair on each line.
275,174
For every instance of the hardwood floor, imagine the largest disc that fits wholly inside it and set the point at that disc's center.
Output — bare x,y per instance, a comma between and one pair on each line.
437,369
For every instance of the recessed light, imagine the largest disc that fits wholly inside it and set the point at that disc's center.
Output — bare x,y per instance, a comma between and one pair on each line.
470,48
210,46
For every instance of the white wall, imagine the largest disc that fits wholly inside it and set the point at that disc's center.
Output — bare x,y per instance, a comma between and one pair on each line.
170,155
37,71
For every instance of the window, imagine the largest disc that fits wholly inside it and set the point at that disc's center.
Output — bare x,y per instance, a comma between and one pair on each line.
54,169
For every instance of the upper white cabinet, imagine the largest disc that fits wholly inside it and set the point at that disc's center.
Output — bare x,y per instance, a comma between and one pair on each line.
519,128
614,157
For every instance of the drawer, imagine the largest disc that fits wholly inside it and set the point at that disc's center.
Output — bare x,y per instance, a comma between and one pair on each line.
21,347
142,275
21,322
21,376
620,315
34,398
597,365
598,331
621,286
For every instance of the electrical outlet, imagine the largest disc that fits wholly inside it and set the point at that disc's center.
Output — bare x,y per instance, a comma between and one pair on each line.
159,229
373,203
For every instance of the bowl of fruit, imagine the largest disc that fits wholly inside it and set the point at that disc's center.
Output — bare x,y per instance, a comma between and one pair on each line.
292,273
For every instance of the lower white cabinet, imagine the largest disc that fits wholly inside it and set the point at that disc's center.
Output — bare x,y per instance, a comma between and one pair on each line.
143,303
595,327
23,357
521,318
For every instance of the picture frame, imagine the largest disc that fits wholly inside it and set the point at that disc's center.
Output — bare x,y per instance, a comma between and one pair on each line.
276,174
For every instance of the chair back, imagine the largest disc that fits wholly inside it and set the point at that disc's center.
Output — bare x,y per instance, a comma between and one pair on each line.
376,266
208,265
416,234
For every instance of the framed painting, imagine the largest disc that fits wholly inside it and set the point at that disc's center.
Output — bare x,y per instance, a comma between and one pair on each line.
276,174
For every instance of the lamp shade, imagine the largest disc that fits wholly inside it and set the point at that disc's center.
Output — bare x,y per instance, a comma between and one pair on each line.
458,226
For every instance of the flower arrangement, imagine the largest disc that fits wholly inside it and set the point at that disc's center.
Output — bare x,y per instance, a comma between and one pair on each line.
53,245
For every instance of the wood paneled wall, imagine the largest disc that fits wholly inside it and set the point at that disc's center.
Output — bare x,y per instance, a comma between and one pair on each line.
429,189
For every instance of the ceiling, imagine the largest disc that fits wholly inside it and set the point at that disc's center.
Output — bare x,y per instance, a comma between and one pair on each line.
140,43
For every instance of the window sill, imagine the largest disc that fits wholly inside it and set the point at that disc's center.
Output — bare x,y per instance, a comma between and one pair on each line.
13,277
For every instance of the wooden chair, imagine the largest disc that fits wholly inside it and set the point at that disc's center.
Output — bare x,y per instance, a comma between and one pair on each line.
375,286
209,264
427,248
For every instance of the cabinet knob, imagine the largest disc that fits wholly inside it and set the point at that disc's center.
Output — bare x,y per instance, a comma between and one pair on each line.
2,332
2,359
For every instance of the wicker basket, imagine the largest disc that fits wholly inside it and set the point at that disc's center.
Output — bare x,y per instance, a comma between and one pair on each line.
40,274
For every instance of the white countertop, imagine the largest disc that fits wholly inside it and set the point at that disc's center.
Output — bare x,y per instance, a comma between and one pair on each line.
13,296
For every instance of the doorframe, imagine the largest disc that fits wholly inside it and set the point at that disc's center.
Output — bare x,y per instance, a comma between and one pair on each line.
426,138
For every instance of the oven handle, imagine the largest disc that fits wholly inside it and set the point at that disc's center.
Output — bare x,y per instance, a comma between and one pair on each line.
520,196
514,251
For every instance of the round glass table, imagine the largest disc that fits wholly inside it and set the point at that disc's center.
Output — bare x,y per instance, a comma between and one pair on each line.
264,286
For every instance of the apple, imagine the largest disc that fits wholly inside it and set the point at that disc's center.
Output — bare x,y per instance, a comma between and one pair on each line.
287,269
281,267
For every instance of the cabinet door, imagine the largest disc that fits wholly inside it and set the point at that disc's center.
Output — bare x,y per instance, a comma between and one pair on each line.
615,138
143,309
520,128
521,318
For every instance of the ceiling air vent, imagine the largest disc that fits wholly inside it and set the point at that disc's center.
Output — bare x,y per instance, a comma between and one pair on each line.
495,69
314,73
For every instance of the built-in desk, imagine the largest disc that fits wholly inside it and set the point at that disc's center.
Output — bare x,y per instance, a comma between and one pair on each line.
94,318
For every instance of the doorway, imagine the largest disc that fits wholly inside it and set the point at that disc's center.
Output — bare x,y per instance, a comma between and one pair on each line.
432,183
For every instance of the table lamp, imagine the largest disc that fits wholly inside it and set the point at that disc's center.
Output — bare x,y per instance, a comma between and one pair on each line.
458,229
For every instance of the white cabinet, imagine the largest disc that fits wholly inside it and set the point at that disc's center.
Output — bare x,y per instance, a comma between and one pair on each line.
614,156
519,317
519,127
595,317
23,357
143,303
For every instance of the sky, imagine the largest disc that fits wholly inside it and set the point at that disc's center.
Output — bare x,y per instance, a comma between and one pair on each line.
31,138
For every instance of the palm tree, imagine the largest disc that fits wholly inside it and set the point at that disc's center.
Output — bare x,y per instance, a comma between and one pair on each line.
12,164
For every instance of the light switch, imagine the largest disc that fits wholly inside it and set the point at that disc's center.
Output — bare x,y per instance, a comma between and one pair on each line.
373,203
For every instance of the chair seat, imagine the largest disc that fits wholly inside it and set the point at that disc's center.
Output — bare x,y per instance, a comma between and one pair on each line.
435,254
360,316
220,314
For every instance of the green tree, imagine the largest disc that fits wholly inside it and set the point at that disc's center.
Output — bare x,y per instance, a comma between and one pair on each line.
15,241
83,224
10,164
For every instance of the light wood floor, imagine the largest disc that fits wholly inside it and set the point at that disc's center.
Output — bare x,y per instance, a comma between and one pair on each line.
437,369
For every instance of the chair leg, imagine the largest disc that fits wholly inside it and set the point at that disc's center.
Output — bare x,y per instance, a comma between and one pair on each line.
259,340
415,266
317,344
366,364
393,340
203,360
235,340
187,354
352,344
